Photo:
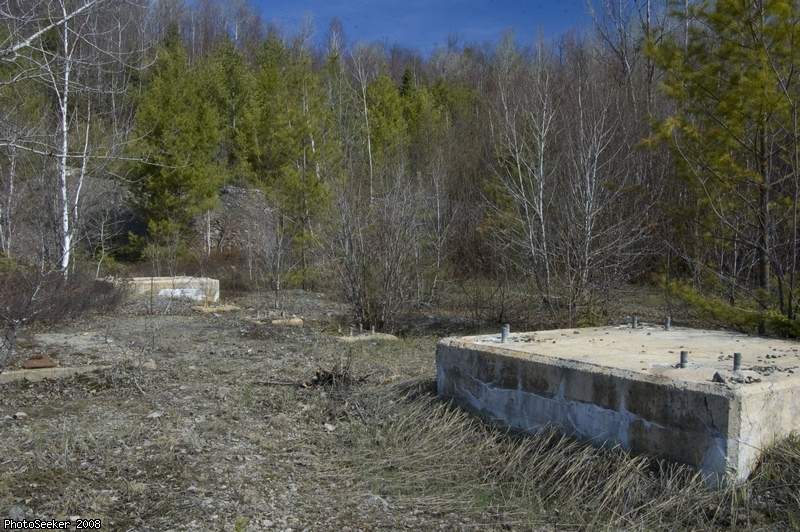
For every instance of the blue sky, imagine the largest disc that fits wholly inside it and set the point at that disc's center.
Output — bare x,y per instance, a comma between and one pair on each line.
425,24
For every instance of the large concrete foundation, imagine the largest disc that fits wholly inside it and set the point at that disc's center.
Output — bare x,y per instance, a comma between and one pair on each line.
625,386
202,289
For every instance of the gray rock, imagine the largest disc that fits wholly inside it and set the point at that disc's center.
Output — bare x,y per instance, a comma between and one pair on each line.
17,513
377,500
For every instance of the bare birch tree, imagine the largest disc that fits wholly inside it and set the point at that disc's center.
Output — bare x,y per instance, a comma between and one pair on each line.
524,129
78,53
603,223
365,62
571,211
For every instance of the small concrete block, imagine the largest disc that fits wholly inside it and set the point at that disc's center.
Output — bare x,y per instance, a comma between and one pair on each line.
35,375
39,362
202,289
288,322
367,337
213,309
629,391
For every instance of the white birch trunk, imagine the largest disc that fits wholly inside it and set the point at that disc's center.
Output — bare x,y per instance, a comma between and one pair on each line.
6,215
66,233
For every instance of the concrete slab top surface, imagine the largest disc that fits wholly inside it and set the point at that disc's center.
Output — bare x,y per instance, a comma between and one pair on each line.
651,351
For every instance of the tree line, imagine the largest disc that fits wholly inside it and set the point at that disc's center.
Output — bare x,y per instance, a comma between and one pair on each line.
659,146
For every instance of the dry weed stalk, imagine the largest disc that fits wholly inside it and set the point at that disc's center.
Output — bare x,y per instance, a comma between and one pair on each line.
432,455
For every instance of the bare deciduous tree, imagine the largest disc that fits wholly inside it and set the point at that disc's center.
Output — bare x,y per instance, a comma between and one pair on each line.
524,128
572,210
79,54
373,249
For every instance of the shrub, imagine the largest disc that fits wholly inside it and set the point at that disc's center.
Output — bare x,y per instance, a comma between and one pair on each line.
29,295
374,250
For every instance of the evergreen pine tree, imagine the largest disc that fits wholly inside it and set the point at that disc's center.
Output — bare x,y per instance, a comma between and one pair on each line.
177,134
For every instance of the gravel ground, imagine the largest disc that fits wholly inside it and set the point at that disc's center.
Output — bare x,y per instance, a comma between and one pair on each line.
197,425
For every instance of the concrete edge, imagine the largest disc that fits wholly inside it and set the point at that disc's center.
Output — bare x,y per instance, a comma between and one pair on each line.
508,352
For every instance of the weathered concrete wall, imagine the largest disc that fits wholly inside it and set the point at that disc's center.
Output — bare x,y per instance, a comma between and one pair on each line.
719,429
202,289
767,412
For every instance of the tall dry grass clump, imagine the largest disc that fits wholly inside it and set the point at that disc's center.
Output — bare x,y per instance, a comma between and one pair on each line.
432,455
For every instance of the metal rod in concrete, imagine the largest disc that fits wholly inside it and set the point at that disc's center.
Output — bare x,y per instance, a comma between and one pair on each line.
737,361
373,329
635,321
684,358
668,323
504,332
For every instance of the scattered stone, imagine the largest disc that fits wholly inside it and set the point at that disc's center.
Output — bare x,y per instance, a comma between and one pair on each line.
377,500
738,377
745,379
155,415
150,364
20,415
40,362
329,427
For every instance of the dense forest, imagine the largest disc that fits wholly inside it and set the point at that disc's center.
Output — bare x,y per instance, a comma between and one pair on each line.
662,146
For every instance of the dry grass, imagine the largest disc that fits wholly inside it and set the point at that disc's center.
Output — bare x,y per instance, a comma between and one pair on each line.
423,453
368,446
776,484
